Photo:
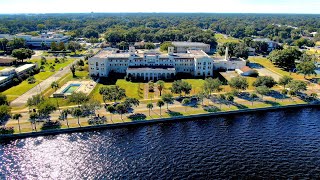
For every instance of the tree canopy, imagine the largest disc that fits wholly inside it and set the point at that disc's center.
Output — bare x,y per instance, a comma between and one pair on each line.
285,58
22,53
264,81
238,83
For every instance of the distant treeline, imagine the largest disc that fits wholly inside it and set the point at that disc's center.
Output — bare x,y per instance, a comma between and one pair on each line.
160,27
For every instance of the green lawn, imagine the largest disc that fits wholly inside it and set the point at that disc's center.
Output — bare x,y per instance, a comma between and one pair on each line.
133,90
268,64
221,39
15,91
50,62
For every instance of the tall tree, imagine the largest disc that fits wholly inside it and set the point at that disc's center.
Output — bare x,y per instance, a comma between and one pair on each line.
112,93
22,54
111,110
121,109
160,86
76,112
17,117
186,102
238,83
264,81
285,58
306,68
149,106
73,70
263,90
55,86
168,99
160,103
180,86
78,98
297,86
285,80
253,96
211,85
3,99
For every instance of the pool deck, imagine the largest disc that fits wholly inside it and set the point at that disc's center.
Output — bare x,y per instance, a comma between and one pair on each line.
85,87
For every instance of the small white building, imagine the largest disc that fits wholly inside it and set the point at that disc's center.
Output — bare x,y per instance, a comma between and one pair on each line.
183,46
7,74
246,71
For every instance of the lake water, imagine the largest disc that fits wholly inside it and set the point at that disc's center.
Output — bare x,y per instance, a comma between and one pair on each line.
281,144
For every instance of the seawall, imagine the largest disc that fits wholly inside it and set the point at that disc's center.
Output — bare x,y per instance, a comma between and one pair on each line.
147,122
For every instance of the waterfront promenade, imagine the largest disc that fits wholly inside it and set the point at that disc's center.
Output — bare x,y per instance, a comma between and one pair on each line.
116,123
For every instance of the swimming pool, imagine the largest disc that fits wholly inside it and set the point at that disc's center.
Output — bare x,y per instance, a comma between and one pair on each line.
71,88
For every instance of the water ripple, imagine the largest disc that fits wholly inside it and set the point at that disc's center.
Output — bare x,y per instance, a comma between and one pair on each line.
283,144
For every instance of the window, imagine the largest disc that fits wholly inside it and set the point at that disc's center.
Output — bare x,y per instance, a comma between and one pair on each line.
97,64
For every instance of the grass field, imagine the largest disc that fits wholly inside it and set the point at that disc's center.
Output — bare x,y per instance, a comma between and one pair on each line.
15,91
133,90
313,51
221,39
268,64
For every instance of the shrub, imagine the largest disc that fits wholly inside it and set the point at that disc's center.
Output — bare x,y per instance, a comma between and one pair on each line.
51,125
137,116
211,108
31,80
6,130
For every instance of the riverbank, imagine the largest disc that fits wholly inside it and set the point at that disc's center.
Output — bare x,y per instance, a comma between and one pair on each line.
153,121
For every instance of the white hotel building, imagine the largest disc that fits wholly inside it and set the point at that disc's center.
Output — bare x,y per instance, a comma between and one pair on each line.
152,65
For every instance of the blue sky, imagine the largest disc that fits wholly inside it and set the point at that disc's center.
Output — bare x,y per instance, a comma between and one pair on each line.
215,6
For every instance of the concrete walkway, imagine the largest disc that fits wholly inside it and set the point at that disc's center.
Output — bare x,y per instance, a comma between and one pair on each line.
22,100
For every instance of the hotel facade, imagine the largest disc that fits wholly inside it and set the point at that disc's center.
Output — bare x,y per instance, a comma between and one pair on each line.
152,65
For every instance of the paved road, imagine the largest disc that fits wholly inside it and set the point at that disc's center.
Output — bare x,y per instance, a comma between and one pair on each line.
22,100
264,71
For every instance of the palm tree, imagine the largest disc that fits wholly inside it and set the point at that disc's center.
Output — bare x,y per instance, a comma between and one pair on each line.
77,113
160,103
17,117
110,109
160,86
64,114
55,86
149,106
33,120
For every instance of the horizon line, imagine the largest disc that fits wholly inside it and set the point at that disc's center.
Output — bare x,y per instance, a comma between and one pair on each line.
26,13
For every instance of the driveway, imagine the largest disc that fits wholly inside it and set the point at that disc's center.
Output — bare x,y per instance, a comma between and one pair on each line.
264,71
22,100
